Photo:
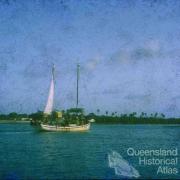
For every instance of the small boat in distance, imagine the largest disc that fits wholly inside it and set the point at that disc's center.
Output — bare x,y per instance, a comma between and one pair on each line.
72,120
92,120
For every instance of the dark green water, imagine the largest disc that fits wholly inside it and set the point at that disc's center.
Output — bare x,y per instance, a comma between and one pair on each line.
27,153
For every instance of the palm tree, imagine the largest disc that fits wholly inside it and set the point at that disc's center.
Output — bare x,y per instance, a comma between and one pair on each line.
162,115
142,115
132,114
115,113
155,115
145,115
124,115
98,111
106,113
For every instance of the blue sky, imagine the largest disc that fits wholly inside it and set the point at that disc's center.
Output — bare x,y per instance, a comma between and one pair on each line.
129,52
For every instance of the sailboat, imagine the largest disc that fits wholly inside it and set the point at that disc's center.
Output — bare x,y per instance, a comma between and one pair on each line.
49,107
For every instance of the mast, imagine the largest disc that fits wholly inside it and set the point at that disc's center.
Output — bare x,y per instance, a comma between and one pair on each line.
77,91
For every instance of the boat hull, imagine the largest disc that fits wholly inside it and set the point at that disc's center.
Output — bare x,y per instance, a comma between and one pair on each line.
46,127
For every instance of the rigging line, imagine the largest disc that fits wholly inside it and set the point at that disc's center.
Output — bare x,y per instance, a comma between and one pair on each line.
85,87
67,87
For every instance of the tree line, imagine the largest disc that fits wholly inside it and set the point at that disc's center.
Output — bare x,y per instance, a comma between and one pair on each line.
132,118
106,117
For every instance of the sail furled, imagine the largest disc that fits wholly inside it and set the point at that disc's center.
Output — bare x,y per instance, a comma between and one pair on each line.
49,105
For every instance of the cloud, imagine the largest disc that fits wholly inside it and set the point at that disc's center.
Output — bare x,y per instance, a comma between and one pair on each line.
109,91
154,45
138,96
142,53
149,50
93,63
3,67
176,97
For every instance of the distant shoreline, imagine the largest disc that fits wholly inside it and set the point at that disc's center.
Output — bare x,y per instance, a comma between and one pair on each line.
107,118
102,119
172,124
101,122
13,121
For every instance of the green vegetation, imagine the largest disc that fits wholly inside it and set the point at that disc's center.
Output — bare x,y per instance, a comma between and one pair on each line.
14,116
63,118
126,119
76,116
132,118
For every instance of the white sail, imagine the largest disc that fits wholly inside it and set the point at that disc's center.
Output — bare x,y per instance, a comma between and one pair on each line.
49,107
49,104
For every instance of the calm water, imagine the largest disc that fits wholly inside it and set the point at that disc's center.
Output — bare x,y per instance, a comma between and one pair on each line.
27,153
